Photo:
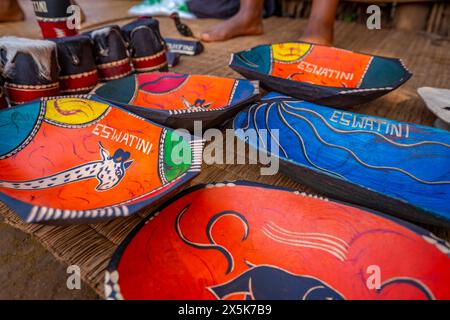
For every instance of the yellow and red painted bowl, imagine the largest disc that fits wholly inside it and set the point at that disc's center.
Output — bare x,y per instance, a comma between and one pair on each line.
177,100
77,159
321,74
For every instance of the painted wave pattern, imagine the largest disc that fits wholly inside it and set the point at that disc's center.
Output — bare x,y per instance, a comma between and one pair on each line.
414,167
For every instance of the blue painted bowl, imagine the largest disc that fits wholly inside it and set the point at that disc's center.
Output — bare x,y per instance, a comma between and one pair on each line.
391,166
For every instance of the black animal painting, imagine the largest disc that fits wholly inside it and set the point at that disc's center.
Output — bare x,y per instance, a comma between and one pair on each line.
272,283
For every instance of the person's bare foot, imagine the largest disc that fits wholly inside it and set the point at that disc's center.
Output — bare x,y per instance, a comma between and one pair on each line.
238,25
10,11
318,35
321,22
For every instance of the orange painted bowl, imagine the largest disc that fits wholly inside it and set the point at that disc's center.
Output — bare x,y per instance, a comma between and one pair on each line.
321,74
242,240
177,100
76,159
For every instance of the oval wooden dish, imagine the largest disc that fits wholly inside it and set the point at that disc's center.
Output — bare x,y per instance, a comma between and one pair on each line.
395,167
75,159
177,100
320,74
242,240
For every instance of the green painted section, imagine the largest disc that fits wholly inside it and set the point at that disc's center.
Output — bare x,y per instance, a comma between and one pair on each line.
177,155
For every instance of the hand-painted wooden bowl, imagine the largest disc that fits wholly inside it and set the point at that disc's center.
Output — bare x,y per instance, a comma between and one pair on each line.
395,167
177,100
321,74
243,240
75,159
438,102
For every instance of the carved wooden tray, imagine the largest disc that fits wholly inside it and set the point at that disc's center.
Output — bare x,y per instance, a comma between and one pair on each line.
177,100
324,75
241,240
395,167
75,159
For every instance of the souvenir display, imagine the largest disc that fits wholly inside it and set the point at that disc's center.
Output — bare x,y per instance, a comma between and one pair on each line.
321,74
242,240
102,149
30,68
78,70
110,51
438,102
145,44
55,18
77,160
395,167
177,100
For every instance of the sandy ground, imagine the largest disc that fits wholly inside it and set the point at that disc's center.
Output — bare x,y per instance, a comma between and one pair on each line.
28,271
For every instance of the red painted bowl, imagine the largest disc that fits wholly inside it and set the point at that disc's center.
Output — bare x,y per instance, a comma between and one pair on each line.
177,100
75,159
243,240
